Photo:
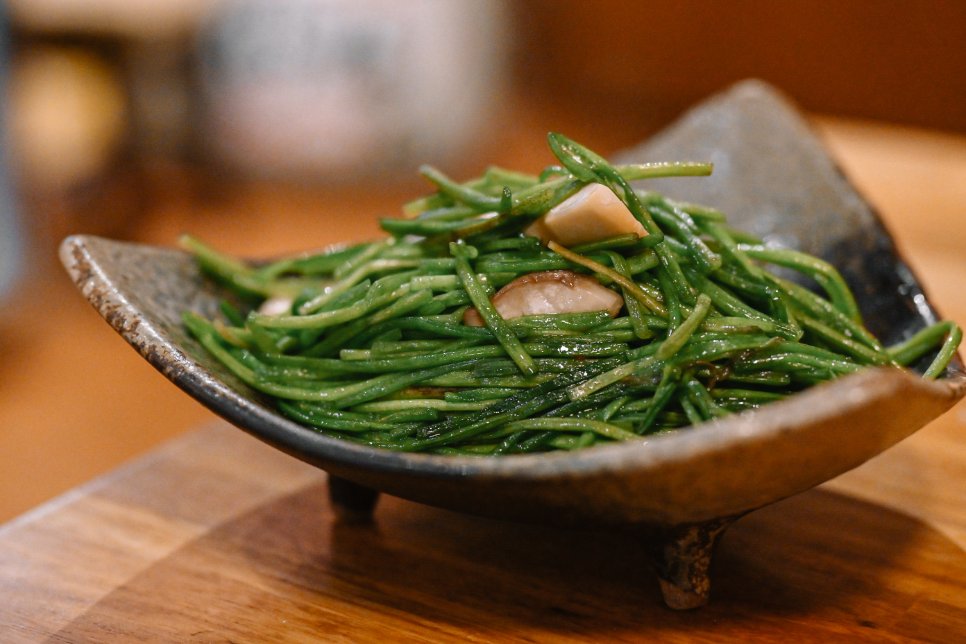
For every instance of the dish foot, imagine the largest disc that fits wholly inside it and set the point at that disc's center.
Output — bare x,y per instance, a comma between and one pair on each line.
351,502
682,557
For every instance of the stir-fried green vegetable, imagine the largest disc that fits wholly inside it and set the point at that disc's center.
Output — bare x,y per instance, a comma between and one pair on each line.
472,329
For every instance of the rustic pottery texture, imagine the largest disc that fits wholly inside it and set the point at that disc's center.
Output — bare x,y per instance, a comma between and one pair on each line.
680,490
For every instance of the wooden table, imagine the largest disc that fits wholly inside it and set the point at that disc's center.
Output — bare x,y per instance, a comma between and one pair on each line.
216,537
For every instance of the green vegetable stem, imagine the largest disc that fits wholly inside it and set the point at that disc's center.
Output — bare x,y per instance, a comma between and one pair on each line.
374,345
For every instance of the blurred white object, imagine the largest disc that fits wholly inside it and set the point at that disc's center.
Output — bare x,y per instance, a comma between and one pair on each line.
316,88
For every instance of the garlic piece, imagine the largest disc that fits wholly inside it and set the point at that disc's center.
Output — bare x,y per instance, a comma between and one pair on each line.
550,292
592,214
276,305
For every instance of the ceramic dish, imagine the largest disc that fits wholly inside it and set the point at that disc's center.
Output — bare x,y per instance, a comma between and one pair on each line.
681,489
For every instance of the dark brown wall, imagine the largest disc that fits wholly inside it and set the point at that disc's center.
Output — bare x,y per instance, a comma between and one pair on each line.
900,61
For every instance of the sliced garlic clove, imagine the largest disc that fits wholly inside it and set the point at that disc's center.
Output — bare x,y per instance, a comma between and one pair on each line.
276,305
592,214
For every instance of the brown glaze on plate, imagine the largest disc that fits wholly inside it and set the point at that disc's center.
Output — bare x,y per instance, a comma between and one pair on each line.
679,490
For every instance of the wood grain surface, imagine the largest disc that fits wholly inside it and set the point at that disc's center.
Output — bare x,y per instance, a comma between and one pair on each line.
215,537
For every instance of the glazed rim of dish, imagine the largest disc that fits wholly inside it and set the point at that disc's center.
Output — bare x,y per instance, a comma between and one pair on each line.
820,403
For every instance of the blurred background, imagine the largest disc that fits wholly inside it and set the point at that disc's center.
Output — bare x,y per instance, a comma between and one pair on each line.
267,126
